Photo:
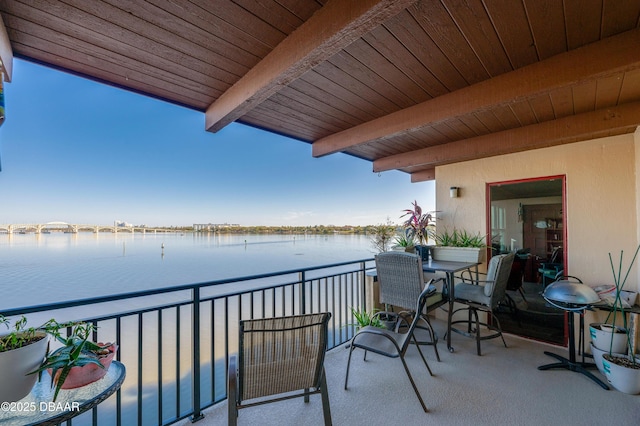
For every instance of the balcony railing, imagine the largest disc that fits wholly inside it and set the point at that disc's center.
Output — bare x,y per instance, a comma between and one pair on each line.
175,342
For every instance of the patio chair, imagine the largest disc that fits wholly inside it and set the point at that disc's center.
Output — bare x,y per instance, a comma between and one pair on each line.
401,281
278,359
553,268
485,296
392,344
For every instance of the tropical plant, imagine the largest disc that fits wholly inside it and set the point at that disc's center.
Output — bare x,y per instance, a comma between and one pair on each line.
404,240
364,318
419,226
76,351
382,236
460,238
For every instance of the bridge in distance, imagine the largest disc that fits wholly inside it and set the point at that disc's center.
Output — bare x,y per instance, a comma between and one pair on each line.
40,228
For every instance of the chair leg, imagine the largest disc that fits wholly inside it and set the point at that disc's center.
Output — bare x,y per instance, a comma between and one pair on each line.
477,320
415,388
326,408
499,329
432,335
346,377
232,394
421,354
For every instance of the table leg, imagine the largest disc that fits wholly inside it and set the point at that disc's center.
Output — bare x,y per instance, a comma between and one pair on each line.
450,313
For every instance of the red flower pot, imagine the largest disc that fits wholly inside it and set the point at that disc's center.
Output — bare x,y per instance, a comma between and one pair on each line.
81,376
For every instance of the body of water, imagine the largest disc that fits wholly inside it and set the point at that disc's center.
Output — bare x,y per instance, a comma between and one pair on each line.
47,268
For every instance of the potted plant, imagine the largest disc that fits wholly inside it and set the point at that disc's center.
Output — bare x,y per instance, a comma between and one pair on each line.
622,371
375,319
404,242
78,361
419,227
21,350
459,245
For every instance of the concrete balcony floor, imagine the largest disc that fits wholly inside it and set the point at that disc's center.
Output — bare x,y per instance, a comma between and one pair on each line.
503,386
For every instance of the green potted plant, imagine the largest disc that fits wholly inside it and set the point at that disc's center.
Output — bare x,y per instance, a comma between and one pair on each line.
404,242
78,361
459,246
622,371
419,226
375,319
21,350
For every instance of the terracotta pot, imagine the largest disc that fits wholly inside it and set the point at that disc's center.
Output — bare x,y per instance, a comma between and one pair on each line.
81,376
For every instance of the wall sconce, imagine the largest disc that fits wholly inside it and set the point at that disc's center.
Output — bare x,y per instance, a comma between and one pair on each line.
453,192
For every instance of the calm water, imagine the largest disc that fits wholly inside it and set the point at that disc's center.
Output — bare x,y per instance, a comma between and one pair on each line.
47,268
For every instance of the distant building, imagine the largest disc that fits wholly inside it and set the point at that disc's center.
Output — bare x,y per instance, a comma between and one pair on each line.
211,227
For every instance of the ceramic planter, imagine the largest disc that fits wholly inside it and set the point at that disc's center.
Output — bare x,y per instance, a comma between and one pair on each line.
81,376
458,254
601,336
597,357
625,379
15,382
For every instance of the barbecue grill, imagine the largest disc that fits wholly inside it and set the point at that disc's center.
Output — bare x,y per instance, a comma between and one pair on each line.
571,295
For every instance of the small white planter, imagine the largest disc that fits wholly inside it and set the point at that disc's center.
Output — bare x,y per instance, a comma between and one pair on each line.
15,384
602,334
458,254
624,379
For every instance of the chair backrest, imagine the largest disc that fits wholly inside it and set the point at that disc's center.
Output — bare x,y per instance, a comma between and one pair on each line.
400,277
498,277
278,355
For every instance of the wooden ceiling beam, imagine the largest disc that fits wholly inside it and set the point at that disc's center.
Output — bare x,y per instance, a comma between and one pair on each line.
611,55
423,175
605,122
332,28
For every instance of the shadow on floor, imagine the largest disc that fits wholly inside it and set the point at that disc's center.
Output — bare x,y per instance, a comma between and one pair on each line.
533,319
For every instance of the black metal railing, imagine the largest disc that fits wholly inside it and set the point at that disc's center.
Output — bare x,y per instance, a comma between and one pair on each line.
175,342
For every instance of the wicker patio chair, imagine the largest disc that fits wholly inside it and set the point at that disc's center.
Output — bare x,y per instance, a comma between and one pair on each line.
483,295
391,344
278,359
401,281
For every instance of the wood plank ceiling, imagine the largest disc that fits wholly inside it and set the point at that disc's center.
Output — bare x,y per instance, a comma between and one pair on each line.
405,84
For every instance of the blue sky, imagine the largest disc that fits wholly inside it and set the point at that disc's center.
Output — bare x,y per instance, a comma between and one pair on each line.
77,151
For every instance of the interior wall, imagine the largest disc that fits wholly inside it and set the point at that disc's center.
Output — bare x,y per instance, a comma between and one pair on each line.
601,201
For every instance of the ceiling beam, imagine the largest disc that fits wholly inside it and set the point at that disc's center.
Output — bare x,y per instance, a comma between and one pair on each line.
612,55
605,122
332,28
6,53
423,175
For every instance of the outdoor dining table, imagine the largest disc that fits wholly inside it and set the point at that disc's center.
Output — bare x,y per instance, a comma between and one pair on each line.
449,268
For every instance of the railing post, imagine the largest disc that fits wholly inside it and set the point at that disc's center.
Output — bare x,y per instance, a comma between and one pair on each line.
363,282
303,292
197,414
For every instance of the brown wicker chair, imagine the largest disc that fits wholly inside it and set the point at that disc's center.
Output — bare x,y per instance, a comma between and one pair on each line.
280,358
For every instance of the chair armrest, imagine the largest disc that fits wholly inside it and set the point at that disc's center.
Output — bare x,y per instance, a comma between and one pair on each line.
472,278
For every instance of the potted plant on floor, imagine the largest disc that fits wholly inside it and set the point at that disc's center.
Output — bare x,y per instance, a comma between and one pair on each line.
419,227
622,371
375,319
21,350
78,361
459,246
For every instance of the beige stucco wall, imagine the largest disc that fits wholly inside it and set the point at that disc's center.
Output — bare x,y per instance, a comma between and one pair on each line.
602,204
601,201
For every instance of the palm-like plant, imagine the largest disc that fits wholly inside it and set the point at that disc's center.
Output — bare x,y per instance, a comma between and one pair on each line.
418,224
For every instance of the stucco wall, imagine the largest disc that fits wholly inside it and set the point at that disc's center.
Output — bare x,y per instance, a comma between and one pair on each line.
601,201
